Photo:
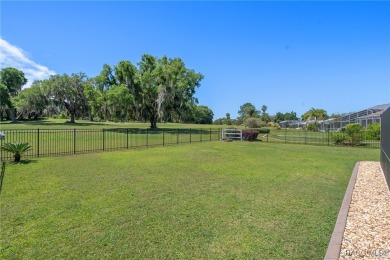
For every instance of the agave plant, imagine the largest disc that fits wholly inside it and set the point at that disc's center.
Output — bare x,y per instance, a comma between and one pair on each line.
17,149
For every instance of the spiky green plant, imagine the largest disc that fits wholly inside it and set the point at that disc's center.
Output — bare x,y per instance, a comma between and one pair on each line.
17,149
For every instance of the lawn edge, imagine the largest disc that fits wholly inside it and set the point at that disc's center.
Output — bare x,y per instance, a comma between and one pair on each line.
334,247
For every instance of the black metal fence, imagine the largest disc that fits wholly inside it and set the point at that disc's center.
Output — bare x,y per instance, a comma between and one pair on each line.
363,139
76,141
385,144
47,142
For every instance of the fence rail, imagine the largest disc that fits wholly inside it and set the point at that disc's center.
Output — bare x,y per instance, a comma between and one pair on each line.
364,139
75,141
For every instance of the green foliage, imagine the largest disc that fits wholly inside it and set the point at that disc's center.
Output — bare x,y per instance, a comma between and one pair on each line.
354,133
13,79
264,131
224,120
248,110
338,138
279,117
315,114
253,122
290,116
203,115
265,117
273,124
218,121
31,102
373,132
166,86
68,93
17,149
157,90
314,127
119,99
5,98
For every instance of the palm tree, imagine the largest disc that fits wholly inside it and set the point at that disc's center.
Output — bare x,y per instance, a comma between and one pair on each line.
17,149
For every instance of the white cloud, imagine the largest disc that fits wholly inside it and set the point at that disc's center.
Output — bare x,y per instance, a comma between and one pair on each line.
12,56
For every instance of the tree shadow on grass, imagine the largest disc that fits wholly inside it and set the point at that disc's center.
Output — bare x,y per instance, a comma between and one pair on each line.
44,123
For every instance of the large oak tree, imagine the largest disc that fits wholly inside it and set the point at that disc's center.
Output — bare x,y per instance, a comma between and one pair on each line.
68,92
13,79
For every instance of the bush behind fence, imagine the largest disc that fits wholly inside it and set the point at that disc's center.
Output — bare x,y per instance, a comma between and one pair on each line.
363,139
76,141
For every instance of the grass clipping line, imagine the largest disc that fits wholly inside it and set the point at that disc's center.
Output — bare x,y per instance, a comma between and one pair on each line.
367,233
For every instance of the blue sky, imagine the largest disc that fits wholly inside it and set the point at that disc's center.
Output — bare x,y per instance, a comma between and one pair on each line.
290,56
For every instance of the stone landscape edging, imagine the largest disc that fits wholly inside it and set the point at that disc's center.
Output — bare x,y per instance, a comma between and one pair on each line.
334,247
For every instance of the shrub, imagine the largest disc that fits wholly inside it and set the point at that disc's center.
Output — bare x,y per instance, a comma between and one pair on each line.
272,124
373,132
354,133
17,149
253,122
312,127
338,138
264,131
249,135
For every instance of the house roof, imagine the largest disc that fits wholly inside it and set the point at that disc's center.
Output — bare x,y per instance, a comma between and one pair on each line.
376,114
380,107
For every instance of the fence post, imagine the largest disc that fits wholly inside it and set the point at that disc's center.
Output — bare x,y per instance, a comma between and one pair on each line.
163,137
328,138
147,137
201,134
38,143
305,136
190,135
210,134
127,138
74,141
285,135
103,139
267,138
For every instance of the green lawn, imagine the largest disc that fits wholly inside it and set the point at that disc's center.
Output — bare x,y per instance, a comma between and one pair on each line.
205,200
50,123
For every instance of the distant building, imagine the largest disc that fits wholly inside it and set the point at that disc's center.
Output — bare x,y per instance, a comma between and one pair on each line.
364,118
292,124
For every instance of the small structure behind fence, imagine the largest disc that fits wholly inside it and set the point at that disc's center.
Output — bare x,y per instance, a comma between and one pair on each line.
385,144
232,134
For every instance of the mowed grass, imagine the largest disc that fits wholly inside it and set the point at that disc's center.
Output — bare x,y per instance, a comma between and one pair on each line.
214,200
50,123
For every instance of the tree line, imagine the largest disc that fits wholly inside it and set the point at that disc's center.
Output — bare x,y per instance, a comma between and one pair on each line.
250,116
157,89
